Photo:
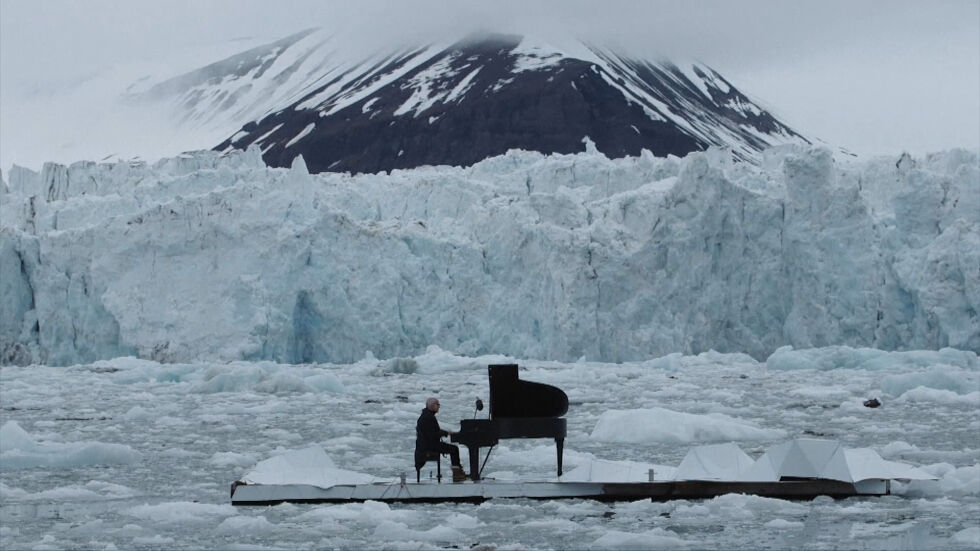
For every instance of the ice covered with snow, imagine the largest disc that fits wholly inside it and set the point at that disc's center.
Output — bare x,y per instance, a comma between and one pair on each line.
306,466
844,357
968,537
663,425
657,538
208,256
183,512
21,450
952,481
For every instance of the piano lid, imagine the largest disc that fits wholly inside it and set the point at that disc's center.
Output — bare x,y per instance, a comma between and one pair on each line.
511,397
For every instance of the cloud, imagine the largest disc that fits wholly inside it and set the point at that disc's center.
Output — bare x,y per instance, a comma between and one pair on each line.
874,76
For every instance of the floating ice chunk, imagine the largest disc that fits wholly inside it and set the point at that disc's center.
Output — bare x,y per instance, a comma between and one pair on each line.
553,525
122,363
266,378
306,466
658,538
897,448
397,531
461,521
280,383
325,382
139,371
155,541
182,512
822,393
963,481
231,459
47,542
397,365
9,492
953,481
19,450
92,490
944,378
12,437
437,360
663,425
138,413
844,357
752,505
923,394
782,524
66,493
245,525
968,537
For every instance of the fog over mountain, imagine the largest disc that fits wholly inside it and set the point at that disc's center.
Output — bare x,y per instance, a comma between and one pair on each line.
869,78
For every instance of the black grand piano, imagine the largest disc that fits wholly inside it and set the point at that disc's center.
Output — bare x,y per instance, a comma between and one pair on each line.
518,409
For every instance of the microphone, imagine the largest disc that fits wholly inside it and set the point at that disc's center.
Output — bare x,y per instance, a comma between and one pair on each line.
479,407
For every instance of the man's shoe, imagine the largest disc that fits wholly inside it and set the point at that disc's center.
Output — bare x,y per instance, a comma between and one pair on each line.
459,475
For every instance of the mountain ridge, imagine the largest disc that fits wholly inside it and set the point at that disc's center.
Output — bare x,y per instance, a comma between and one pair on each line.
457,102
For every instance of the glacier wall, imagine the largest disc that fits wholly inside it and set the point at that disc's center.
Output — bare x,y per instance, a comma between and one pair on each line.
208,256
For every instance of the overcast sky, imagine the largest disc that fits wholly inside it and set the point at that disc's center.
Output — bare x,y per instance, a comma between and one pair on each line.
873,76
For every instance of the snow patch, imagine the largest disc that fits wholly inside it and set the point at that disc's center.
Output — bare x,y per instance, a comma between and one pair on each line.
303,133
533,56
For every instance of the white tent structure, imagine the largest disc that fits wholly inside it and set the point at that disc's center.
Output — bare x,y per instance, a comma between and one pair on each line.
826,459
603,470
714,462
866,464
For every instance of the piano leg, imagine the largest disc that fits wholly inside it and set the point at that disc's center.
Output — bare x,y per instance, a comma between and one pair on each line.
560,444
474,462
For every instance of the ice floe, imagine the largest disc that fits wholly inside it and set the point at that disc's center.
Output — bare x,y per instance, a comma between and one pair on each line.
20,450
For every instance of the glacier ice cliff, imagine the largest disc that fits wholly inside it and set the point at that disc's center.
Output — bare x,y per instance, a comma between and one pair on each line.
211,256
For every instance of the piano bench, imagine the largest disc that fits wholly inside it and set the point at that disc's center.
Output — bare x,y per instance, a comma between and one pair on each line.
431,456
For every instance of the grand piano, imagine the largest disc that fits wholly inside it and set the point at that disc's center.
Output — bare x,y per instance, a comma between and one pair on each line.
518,409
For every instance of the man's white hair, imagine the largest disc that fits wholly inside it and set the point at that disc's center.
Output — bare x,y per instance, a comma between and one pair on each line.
431,401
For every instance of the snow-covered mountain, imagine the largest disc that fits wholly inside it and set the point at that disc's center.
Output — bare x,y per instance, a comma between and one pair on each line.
217,256
458,102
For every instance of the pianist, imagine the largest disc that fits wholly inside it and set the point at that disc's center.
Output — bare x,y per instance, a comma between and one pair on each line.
427,435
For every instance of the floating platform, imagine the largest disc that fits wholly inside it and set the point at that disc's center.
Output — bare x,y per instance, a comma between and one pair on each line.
476,492
800,469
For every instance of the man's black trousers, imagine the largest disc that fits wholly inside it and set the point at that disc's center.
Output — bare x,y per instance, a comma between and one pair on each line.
453,452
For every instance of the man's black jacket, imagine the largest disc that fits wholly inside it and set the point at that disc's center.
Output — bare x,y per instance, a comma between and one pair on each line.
427,433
